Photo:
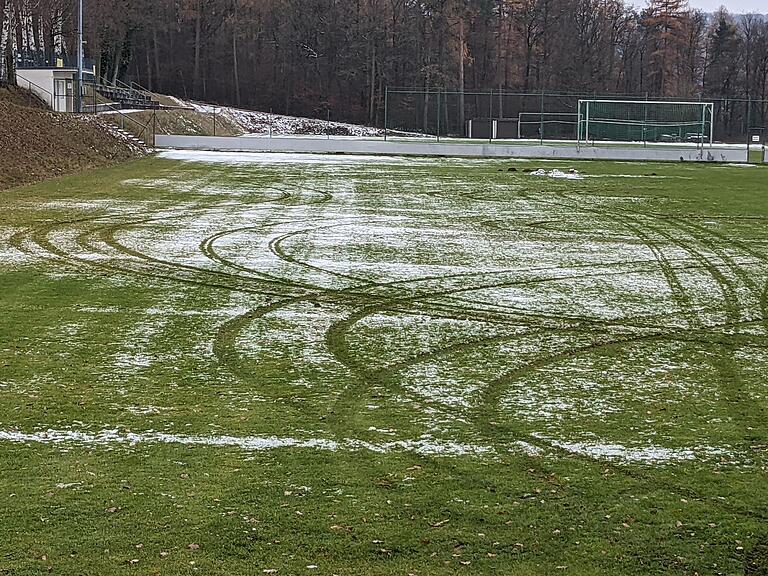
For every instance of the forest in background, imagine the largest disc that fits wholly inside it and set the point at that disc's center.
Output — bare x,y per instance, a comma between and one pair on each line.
305,57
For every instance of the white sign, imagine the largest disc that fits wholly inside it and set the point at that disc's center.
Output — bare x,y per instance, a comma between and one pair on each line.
755,138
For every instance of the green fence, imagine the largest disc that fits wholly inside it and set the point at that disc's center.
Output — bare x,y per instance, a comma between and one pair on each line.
502,115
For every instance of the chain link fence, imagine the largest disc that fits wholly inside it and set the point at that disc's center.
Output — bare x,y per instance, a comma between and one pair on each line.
502,115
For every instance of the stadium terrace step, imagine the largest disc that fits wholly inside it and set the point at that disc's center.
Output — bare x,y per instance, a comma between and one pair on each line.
127,98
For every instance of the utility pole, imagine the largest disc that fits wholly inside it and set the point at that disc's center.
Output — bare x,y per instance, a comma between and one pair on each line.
80,56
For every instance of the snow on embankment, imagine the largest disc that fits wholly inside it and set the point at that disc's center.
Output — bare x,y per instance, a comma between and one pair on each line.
253,122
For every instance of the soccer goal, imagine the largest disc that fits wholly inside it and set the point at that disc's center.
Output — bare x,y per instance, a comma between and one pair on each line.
645,121
550,125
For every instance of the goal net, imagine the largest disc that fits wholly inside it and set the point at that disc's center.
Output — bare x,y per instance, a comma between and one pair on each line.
548,125
645,121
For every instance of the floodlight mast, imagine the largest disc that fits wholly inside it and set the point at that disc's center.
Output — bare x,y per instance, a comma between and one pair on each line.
80,56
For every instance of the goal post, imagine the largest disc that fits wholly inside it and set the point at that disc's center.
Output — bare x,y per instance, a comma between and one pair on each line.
645,121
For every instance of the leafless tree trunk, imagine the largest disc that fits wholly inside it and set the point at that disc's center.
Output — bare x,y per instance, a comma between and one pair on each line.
6,71
156,53
196,74
462,55
235,70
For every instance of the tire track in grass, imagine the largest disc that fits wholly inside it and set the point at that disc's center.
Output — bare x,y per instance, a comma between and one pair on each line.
370,378
107,235
657,223
336,337
339,347
494,396
224,343
207,247
712,240
487,422
40,237
732,306
225,340
275,246
488,412
729,293
729,368
411,282
679,294
108,232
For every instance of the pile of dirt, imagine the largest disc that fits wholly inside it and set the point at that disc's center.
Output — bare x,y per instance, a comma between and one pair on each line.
36,144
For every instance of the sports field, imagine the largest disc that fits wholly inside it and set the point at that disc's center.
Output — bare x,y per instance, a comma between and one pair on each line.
274,364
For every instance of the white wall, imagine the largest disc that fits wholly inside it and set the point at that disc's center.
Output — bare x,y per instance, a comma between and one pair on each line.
40,82
351,146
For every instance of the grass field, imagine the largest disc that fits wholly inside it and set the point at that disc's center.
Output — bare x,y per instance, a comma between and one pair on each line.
363,366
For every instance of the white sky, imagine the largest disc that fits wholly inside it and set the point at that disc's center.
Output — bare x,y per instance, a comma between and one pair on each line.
734,6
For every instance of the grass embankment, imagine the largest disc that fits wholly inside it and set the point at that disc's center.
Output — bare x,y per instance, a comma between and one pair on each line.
502,374
37,144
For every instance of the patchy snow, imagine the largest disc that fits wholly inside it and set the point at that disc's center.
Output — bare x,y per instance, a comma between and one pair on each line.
643,176
439,285
649,454
425,445
10,256
253,122
559,174
280,158
121,111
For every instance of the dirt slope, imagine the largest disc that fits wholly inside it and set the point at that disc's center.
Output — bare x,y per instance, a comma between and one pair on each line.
36,144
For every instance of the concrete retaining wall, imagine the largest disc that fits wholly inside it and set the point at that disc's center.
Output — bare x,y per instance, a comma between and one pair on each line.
420,148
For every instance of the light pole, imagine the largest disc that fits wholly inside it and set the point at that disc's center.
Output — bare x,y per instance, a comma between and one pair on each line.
80,56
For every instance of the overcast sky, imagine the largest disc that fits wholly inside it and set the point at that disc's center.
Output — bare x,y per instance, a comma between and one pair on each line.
735,6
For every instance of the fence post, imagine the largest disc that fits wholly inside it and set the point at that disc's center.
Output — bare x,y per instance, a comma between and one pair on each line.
214,120
328,123
438,114
541,116
645,120
386,110
748,124
490,116
154,129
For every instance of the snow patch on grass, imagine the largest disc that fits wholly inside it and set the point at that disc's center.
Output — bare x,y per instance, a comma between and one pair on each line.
425,445
280,158
649,454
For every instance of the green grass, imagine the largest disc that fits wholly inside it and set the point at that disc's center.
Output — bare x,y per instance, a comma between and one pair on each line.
757,156
501,373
